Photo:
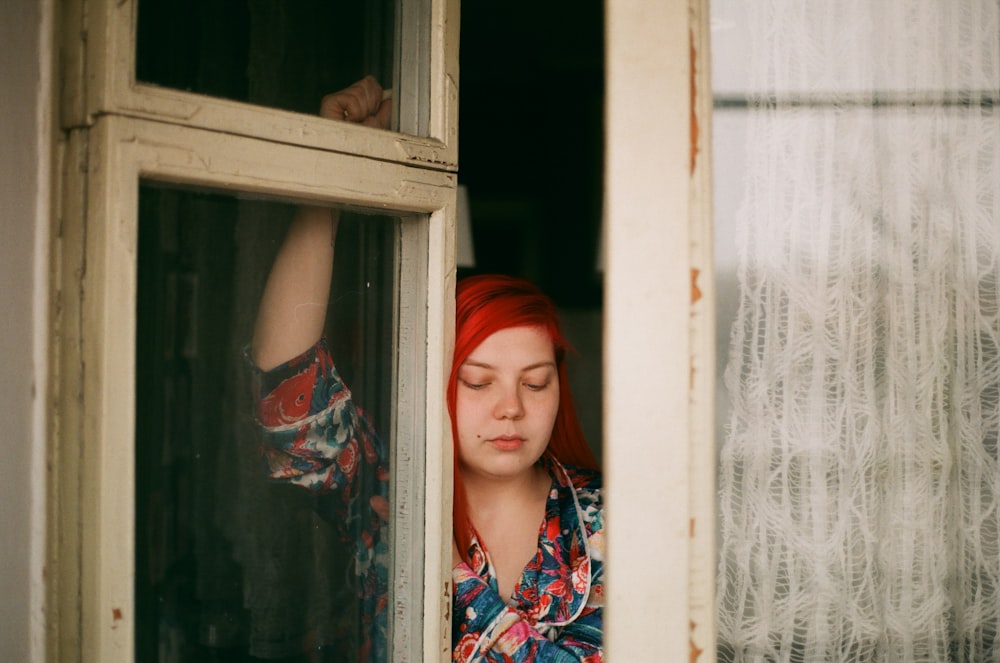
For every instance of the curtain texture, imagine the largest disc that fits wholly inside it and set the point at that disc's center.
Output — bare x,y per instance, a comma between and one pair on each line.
859,478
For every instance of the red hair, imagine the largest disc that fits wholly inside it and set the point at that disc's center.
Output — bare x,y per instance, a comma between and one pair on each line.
485,305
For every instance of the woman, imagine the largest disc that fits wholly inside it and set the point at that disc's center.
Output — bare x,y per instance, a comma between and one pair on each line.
527,551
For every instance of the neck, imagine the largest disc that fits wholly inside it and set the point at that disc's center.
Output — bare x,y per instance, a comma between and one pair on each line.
487,494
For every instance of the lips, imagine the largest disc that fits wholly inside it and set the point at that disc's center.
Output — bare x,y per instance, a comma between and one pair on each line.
507,442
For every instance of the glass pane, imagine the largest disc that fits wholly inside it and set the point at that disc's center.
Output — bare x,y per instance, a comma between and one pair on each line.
231,564
278,54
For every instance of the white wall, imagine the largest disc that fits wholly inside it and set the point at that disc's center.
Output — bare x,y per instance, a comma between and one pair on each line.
24,203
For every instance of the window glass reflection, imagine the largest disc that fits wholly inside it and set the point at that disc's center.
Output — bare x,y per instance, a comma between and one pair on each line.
277,54
231,566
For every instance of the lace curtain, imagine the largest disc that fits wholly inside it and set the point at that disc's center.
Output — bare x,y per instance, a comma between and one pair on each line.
859,479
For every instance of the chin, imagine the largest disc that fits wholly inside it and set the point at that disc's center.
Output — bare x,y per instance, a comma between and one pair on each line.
504,465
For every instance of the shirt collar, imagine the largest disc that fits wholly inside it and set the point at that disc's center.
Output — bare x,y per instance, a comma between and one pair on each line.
555,585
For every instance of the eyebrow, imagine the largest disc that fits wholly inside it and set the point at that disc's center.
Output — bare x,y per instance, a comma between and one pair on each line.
480,364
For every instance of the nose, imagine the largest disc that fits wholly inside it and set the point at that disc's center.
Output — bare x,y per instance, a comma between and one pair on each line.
509,404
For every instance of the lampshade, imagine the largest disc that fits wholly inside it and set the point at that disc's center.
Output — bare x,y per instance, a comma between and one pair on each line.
465,257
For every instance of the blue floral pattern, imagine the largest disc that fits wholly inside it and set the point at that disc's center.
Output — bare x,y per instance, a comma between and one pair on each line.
555,612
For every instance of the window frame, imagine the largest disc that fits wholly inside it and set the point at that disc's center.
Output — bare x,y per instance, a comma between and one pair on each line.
97,443
659,359
117,133
110,121
101,40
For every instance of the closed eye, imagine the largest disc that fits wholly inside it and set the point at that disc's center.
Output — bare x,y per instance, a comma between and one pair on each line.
474,385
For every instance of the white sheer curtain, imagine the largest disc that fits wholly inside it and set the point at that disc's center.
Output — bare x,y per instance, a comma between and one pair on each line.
859,480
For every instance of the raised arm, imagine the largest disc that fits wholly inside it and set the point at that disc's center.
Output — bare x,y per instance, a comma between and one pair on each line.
312,433
293,307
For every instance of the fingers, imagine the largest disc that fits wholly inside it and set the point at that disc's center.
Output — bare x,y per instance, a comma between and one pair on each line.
362,102
383,116
381,507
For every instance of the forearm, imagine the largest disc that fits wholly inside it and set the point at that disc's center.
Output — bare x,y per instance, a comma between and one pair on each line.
293,307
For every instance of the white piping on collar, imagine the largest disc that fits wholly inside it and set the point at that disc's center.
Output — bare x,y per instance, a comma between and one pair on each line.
582,528
563,479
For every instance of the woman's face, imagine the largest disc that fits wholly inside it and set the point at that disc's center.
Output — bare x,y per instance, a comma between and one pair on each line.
506,402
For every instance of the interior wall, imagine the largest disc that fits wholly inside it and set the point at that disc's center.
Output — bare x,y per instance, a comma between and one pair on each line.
24,192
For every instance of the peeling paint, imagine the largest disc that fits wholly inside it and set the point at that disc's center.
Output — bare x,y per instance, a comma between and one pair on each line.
696,295
694,96
447,602
696,651
116,616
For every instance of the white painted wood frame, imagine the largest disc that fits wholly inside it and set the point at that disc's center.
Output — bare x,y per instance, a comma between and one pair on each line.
95,433
659,329
118,132
100,78
659,450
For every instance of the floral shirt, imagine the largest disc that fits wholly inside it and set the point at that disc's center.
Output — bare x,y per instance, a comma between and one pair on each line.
319,439
555,612
315,437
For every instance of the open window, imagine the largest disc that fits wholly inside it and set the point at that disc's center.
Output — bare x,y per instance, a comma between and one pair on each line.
169,182
167,542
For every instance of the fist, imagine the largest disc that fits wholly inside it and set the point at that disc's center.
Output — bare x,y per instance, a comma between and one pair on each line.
364,102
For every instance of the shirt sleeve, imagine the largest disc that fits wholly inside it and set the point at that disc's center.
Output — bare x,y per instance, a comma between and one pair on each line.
487,629
316,437
314,434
